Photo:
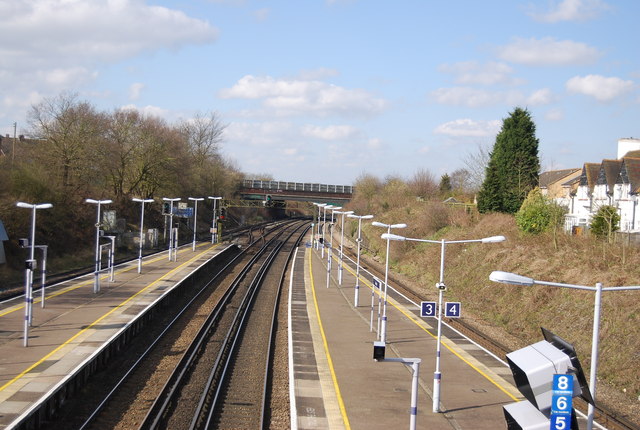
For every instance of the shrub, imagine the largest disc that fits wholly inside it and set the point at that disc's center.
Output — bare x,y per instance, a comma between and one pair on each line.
605,222
538,214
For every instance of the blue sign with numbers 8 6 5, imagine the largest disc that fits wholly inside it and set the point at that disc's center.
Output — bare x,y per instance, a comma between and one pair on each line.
561,402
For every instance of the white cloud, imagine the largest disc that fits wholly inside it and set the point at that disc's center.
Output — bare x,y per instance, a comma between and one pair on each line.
331,132
474,98
571,10
548,52
469,128
554,115
261,14
602,88
135,89
147,110
53,45
296,96
472,72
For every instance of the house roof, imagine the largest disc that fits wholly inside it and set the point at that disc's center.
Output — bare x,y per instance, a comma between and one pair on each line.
553,176
630,173
589,174
632,154
608,174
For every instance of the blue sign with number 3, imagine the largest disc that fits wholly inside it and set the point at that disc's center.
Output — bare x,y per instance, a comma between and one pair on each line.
427,309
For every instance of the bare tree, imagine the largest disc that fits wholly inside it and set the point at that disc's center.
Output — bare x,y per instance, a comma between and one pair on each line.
476,165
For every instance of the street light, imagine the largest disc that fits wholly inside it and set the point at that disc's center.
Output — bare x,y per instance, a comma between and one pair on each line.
143,201
437,375
383,332
341,244
96,273
320,206
28,274
171,238
214,225
512,278
195,201
324,221
358,241
330,251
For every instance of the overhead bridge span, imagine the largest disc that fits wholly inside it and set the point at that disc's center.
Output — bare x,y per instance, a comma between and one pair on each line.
296,191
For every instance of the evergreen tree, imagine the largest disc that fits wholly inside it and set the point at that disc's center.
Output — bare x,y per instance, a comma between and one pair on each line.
445,184
513,165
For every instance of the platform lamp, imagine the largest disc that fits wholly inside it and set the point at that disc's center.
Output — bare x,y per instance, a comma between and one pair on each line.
29,266
343,213
195,201
214,226
598,289
96,274
143,201
171,238
324,222
383,329
358,241
437,375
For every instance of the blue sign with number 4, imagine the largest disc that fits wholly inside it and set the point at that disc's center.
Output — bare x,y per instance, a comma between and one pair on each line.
452,309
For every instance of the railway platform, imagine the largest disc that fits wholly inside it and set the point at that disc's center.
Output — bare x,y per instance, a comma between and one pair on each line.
337,384
76,322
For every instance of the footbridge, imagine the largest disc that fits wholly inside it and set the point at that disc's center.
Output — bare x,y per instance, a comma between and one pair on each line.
295,191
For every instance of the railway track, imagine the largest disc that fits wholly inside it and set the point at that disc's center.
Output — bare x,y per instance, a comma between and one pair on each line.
222,381
121,396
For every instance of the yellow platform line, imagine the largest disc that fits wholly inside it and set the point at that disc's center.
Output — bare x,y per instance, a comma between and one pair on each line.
71,339
65,290
420,324
343,410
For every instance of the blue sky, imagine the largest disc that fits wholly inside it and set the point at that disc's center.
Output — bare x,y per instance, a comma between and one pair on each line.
327,90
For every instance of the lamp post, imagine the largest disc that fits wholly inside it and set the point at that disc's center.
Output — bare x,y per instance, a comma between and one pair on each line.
195,201
96,273
28,289
512,278
320,206
143,201
437,375
358,241
324,222
171,238
214,226
330,251
383,331
341,244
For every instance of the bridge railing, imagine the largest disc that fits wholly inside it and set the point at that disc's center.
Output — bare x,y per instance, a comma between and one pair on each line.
298,186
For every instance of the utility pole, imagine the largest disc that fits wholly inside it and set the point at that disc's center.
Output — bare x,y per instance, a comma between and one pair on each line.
13,147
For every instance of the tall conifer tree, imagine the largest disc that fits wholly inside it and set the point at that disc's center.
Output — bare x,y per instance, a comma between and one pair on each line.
513,167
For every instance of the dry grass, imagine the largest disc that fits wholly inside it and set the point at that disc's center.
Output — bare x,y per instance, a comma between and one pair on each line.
517,313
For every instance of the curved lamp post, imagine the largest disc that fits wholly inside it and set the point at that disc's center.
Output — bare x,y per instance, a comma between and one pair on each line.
358,240
195,201
343,213
143,201
28,288
96,274
512,278
214,227
171,238
383,331
437,375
